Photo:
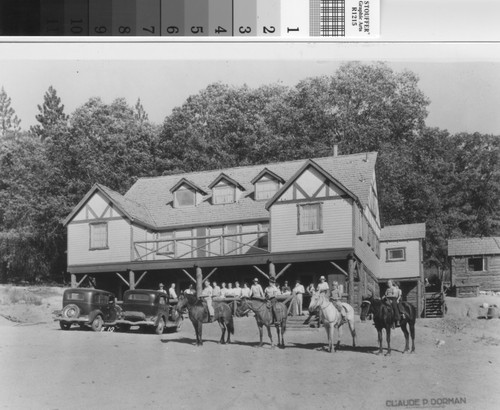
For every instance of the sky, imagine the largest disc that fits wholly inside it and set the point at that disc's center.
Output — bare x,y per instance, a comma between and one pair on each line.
462,84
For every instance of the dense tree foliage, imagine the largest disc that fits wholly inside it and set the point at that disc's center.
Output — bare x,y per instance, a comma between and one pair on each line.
451,182
9,122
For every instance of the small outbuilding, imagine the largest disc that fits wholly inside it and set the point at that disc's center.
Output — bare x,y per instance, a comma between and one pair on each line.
474,265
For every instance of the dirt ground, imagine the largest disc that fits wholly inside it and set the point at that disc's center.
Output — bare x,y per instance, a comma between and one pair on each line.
456,366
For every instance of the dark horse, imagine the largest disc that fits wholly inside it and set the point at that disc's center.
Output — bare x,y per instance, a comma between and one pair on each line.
383,318
264,317
198,313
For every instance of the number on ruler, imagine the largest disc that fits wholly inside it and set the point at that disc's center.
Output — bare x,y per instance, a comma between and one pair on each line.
288,29
196,29
76,26
124,30
220,29
172,29
246,30
149,30
100,29
268,30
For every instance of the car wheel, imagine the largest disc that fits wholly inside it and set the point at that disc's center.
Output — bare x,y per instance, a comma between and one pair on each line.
97,323
160,327
70,311
64,325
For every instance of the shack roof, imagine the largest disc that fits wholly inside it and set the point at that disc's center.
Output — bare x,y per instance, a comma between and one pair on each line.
474,246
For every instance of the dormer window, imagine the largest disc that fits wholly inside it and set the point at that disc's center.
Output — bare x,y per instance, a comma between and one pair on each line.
225,190
266,184
184,196
265,189
186,193
224,194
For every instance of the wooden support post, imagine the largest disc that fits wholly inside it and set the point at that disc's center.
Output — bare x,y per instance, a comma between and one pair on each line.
210,274
282,271
272,270
73,280
131,279
339,268
140,278
199,281
123,279
351,265
81,280
261,271
189,275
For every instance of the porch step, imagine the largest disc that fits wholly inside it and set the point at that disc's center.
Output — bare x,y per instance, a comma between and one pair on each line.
296,323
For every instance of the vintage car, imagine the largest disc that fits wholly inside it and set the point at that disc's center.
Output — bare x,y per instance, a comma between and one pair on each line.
88,307
148,309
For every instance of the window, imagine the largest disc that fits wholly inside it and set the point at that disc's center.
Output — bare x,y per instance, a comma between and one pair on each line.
99,235
266,189
360,225
476,264
138,296
223,194
76,296
263,241
185,197
396,254
309,216
165,243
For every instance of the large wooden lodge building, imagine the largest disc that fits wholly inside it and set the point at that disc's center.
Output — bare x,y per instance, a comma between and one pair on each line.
292,220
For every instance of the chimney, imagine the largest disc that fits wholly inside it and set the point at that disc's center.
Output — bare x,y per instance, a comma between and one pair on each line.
335,150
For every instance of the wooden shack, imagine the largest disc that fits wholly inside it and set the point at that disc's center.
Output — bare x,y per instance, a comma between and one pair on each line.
474,265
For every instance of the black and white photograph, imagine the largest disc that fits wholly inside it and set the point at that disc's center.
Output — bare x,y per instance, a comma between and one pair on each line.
249,226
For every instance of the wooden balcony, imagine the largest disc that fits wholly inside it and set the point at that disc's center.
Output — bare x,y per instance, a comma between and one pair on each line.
244,243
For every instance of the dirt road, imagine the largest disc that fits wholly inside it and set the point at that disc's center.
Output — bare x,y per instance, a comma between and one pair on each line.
43,367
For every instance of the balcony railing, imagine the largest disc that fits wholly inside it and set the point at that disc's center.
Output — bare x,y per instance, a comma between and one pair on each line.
244,243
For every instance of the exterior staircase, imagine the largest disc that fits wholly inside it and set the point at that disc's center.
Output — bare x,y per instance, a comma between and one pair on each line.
296,323
434,305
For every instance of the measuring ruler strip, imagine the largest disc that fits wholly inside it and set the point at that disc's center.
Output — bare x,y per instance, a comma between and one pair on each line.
289,19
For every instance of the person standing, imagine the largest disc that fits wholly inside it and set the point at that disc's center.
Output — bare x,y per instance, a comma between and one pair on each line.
161,288
285,290
207,294
299,291
237,290
256,290
190,290
171,292
323,286
216,290
245,291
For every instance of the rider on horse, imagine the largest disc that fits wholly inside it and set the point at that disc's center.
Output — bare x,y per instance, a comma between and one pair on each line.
270,293
336,297
206,295
393,295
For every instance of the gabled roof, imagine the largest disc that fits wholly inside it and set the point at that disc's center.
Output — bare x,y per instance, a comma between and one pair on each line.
228,179
184,181
354,172
131,209
474,246
309,164
403,232
266,171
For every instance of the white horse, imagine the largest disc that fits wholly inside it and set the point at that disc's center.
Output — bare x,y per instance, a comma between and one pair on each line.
331,318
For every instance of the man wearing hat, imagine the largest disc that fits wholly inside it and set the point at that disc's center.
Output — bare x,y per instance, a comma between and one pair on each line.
323,285
271,292
299,291
161,288
256,290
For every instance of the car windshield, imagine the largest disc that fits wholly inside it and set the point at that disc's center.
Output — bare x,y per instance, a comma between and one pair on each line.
138,296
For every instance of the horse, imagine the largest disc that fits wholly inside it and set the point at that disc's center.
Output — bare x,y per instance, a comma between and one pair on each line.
264,317
332,319
198,313
383,318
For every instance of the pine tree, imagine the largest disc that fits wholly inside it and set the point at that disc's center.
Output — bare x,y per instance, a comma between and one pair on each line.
51,115
9,122
140,113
